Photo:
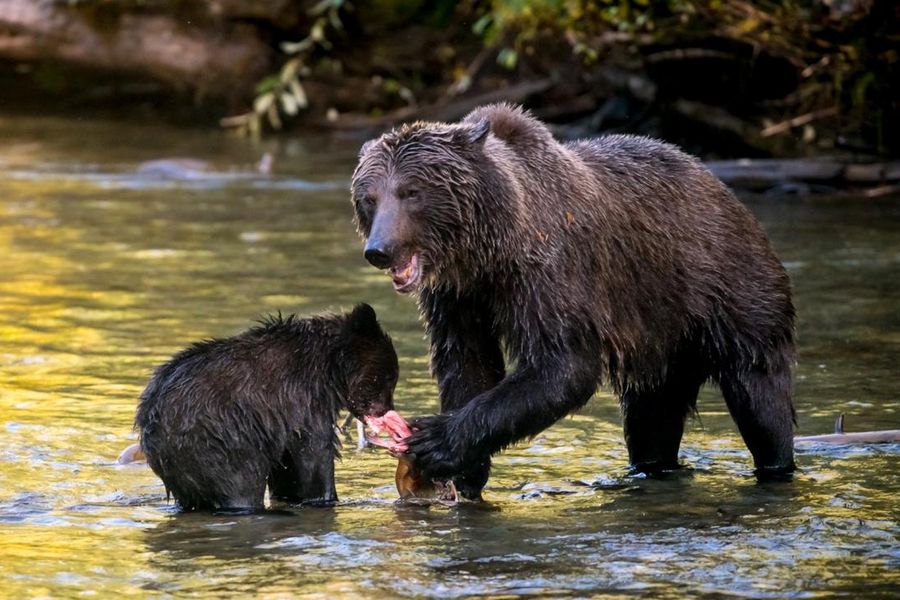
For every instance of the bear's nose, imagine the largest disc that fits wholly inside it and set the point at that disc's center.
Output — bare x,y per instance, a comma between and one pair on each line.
378,257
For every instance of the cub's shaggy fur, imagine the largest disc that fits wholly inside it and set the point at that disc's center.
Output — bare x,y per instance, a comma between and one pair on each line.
225,417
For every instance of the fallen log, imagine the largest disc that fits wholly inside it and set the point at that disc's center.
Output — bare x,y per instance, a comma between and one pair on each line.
883,436
756,174
786,126
445,111
211,57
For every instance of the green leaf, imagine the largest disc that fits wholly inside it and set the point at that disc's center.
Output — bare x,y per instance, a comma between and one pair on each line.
267,84
296,47
289,70
299,93
507,58
335,18
482,24
317,33
274,119
289,104
263,103
323,6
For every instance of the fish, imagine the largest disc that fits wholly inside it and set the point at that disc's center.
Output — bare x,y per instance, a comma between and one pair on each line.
410,481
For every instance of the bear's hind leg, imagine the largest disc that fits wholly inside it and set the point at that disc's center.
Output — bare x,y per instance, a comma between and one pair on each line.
654,421
759,400
305,473
247,496
196,485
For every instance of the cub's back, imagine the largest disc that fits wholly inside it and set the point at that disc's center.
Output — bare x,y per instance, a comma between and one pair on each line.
258,383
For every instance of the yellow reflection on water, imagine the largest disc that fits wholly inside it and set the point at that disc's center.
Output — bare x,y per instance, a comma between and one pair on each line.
99,285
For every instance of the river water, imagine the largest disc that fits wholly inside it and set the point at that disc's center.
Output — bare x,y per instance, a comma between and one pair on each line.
105,272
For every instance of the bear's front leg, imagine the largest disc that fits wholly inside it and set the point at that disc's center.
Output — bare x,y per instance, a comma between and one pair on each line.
467,361
525,403
466,358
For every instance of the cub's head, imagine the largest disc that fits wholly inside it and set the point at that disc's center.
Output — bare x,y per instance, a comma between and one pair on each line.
414,192
371,364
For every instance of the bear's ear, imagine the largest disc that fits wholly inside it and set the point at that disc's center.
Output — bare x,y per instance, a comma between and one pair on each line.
366,147
363,320
474,133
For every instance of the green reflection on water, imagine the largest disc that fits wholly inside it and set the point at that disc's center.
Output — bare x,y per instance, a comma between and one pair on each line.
103,277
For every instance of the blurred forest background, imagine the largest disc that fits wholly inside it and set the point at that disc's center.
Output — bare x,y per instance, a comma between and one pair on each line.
722,78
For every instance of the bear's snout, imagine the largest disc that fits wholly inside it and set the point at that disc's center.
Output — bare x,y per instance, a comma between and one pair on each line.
378,255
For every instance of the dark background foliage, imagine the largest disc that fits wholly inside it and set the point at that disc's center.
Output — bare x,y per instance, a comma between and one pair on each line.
723,78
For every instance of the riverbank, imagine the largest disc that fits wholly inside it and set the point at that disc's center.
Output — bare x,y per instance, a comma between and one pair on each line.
722,80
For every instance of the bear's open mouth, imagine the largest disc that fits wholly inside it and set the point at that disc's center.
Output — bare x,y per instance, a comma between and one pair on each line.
406,276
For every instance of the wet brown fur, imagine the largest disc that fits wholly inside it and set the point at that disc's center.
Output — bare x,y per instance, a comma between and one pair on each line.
617,260
225,418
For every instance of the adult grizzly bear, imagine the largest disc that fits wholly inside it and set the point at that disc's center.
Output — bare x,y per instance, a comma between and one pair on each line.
618,260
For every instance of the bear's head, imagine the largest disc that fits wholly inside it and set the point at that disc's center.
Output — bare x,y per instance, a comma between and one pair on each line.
415,192
371,364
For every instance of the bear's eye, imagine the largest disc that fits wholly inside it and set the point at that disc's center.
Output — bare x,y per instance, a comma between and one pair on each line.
368,201
407,193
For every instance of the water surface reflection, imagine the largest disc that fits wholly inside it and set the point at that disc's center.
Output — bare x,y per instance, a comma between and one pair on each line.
104,273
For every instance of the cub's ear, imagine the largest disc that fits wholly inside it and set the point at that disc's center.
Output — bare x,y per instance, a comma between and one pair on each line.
366,147
473,133
363,320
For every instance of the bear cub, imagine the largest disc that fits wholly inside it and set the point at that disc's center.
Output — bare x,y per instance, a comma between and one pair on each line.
226,417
